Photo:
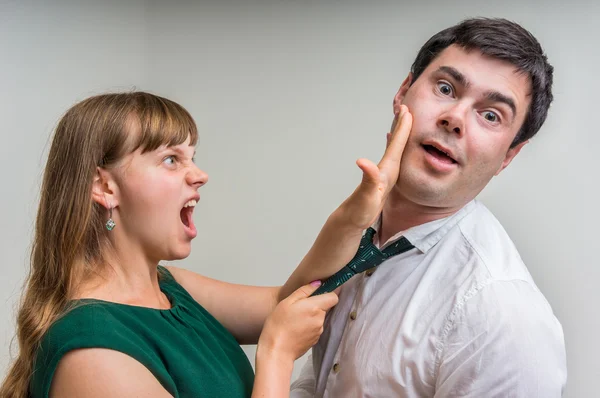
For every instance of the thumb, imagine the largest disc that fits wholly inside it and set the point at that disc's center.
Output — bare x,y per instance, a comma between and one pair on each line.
304,291
370,173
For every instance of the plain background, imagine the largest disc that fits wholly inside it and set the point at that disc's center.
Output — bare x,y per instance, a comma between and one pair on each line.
287,95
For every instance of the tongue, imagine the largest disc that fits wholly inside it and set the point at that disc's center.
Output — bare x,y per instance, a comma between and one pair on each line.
186,217
438,154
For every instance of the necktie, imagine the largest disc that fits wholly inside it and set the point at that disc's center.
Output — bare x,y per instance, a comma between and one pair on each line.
367,256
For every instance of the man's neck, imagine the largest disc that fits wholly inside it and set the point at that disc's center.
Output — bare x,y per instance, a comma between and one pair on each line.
400,214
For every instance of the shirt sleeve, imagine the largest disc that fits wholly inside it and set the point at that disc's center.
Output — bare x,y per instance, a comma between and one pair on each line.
304,386
503,341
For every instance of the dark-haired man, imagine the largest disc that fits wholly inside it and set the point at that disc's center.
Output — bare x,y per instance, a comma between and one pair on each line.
459,315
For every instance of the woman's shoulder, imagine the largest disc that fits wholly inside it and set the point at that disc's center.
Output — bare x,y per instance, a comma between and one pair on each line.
80,320
82,325
85,323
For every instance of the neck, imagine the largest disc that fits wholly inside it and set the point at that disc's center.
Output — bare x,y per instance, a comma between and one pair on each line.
400,214
126,277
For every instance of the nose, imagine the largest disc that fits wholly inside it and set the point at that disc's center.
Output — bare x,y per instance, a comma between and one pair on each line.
453,120
196,177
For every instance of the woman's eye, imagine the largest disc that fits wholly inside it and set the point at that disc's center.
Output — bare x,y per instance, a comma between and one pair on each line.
170,160
490,116
445,88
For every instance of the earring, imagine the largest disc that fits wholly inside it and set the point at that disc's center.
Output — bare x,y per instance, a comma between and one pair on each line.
110,224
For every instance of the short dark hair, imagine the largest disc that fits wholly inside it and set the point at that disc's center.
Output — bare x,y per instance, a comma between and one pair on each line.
506,40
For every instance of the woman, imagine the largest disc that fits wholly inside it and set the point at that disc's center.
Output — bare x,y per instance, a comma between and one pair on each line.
100,317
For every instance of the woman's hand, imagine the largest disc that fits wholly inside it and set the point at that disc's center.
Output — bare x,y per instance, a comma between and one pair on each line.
339,238
362,208
291,329
295,325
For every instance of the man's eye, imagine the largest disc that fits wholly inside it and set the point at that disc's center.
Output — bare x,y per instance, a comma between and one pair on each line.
445,88
490,116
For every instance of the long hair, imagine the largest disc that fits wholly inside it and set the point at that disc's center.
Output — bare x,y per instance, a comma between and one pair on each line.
70,239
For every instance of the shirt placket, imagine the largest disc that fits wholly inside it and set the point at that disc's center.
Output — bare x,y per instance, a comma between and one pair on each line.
352,322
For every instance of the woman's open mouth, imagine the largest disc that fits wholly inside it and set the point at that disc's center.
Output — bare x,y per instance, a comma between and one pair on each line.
186,218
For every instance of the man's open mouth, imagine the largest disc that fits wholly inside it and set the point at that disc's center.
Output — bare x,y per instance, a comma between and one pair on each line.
439,154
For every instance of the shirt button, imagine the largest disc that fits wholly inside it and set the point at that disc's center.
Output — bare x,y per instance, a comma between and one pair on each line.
353,315
369,272
336,368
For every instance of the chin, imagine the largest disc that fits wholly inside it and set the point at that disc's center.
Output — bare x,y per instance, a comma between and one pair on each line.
420,187
179,253
429,200
424,192
436,197
184,255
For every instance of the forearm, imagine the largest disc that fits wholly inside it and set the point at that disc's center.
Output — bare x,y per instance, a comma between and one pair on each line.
252,310
241,309
273,375
334,247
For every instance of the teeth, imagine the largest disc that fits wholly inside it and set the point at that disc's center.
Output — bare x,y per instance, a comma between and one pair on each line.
191,203
445,153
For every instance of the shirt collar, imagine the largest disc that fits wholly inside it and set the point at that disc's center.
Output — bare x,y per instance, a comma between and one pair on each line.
427,235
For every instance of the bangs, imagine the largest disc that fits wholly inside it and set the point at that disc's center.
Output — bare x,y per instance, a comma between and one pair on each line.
162,122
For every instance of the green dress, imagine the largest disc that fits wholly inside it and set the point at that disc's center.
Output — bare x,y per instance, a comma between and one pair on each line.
186,349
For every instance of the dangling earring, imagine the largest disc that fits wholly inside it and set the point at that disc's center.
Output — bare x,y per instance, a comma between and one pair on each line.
110,224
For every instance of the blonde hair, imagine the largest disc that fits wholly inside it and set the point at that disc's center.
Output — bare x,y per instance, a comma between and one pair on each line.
69,228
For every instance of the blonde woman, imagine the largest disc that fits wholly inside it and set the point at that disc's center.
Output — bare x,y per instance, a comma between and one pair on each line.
100,317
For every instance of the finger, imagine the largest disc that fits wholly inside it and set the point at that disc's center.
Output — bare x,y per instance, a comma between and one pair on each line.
323,301
398,135
370,172
303,291
397,117
393,152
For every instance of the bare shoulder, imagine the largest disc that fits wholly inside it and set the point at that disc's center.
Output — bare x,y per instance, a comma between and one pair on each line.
98,372
199,286
181,274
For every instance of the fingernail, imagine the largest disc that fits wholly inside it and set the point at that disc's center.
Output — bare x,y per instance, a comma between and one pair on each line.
316,283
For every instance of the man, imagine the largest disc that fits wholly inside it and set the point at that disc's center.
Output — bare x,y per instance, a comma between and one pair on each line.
459,315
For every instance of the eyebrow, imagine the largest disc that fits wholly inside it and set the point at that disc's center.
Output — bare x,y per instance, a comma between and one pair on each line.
493,96
456,75
180,151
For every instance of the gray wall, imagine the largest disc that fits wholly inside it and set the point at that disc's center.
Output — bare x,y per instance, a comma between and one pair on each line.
51,55
287,95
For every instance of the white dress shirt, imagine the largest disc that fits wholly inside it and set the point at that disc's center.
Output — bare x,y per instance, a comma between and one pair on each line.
458,316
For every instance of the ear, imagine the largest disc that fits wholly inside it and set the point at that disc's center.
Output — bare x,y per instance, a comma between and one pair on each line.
510,155
104,189
399,97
